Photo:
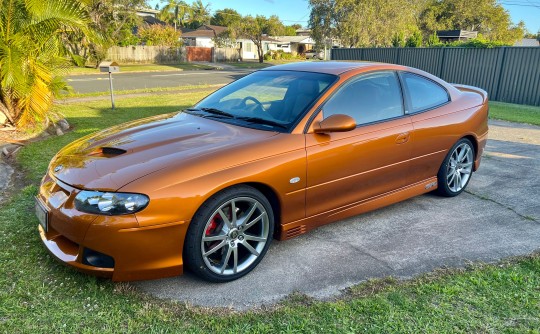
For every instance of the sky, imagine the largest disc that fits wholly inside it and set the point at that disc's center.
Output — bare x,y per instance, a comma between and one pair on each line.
297,11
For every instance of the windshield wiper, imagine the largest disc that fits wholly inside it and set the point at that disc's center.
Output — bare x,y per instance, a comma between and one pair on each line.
218,112
262,121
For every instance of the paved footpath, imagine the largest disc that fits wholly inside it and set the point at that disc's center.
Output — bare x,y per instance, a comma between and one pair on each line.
498,217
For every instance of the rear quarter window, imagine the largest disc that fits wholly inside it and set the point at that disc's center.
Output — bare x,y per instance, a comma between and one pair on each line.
423,93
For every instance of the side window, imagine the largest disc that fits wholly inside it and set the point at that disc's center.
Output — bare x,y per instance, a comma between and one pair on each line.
370,98
423,93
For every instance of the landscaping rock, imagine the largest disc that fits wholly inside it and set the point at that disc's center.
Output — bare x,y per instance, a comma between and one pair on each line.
63,124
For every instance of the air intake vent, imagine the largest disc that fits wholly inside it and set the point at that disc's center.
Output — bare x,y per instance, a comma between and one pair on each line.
108,151
295,231
112,151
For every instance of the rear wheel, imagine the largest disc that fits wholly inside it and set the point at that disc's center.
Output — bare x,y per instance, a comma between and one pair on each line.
229,234
456,170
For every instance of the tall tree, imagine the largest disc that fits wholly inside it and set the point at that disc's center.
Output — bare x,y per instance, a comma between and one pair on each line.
31,55
362,23
225,17
488,17
200,14
256,29
176,12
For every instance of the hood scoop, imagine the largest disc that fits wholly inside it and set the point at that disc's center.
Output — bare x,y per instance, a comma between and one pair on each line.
108,152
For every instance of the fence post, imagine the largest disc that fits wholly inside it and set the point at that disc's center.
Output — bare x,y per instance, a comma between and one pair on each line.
398,56
443,59
503,56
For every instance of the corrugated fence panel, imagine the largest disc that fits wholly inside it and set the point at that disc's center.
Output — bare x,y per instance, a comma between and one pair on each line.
475,67
509,74
346,54
426,59
383,55
520,76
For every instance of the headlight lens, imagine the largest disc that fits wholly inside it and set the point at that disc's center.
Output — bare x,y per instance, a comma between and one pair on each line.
110,203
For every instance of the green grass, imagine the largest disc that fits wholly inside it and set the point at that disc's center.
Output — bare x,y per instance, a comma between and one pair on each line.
143,68
514,112
141,90
39,295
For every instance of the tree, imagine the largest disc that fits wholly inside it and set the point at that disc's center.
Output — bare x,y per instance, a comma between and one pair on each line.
159,35
255,29
200,14
487,17
176,12
31,55
415,40
362,23
112,23
225,17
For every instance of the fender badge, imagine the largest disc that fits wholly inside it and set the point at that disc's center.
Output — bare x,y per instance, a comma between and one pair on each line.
294,180
58,168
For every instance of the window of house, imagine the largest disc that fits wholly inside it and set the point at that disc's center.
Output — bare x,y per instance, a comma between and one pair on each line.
248,46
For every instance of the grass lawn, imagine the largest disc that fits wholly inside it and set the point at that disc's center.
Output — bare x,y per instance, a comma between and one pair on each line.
514,112
39,295
143,68
142,90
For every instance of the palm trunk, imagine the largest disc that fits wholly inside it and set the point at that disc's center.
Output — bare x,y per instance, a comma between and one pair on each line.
5,111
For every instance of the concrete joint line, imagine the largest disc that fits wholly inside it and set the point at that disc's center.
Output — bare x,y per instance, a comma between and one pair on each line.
485,198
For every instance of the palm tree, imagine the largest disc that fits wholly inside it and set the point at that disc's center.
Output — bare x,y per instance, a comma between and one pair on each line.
31,55
175,12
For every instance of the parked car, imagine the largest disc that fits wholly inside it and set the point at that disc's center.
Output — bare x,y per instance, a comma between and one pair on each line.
314,54
272,155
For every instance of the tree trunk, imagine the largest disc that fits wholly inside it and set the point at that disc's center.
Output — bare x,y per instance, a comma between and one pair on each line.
260,52
6,112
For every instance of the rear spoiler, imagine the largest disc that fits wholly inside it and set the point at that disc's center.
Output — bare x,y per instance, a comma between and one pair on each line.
466,88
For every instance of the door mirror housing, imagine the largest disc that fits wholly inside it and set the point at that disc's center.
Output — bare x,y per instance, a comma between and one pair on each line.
335,123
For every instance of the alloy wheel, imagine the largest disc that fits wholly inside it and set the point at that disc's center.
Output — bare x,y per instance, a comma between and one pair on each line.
460,167
235,236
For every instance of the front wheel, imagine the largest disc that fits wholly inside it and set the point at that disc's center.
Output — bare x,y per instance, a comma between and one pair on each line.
229,234
456,169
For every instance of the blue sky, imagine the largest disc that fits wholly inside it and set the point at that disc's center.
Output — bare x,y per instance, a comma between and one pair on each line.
297,11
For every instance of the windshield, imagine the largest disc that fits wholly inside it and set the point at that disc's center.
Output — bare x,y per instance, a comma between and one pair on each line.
268,100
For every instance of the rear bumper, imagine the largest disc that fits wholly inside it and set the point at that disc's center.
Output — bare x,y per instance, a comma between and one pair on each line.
482,140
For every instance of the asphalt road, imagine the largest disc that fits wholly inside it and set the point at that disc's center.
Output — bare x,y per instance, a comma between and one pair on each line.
127,81
498,217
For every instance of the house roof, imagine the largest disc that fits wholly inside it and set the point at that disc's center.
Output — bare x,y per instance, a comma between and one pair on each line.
150,20
457,33
206,30
527,42
294,39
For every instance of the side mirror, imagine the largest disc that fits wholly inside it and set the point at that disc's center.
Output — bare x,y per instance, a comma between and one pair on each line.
335,123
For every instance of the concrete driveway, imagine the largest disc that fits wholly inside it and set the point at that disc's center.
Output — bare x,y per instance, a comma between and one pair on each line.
498,217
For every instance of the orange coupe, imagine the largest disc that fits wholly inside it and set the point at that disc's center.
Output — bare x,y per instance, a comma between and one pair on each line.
272,155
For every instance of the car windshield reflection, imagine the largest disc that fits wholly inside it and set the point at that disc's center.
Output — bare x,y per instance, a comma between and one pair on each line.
269,100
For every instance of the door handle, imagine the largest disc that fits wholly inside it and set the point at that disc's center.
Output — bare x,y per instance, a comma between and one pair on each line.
402,138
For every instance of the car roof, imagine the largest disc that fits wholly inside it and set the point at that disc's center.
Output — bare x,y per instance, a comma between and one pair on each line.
328,67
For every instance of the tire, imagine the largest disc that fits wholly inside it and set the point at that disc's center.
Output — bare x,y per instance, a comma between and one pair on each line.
456,170
222,246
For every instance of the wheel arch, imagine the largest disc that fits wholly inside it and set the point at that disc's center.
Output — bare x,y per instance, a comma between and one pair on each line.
474,141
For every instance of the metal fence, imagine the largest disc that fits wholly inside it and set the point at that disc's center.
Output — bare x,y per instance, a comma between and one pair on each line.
508,74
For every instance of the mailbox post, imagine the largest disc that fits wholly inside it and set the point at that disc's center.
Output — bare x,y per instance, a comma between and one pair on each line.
110,67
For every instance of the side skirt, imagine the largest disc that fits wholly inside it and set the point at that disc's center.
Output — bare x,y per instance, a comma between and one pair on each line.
296,228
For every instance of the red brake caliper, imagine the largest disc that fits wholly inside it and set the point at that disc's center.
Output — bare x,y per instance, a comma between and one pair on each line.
212,226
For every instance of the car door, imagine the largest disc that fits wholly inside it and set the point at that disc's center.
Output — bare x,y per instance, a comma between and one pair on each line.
432,118
348,167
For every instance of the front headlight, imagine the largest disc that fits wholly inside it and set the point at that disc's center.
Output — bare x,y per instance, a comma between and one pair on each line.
110,203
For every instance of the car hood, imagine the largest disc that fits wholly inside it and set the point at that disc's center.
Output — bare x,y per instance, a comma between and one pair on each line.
111,158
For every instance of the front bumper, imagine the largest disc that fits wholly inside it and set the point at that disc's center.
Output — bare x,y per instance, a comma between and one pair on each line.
138,253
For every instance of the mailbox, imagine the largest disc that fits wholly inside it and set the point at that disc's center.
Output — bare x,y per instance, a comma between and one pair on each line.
109,66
